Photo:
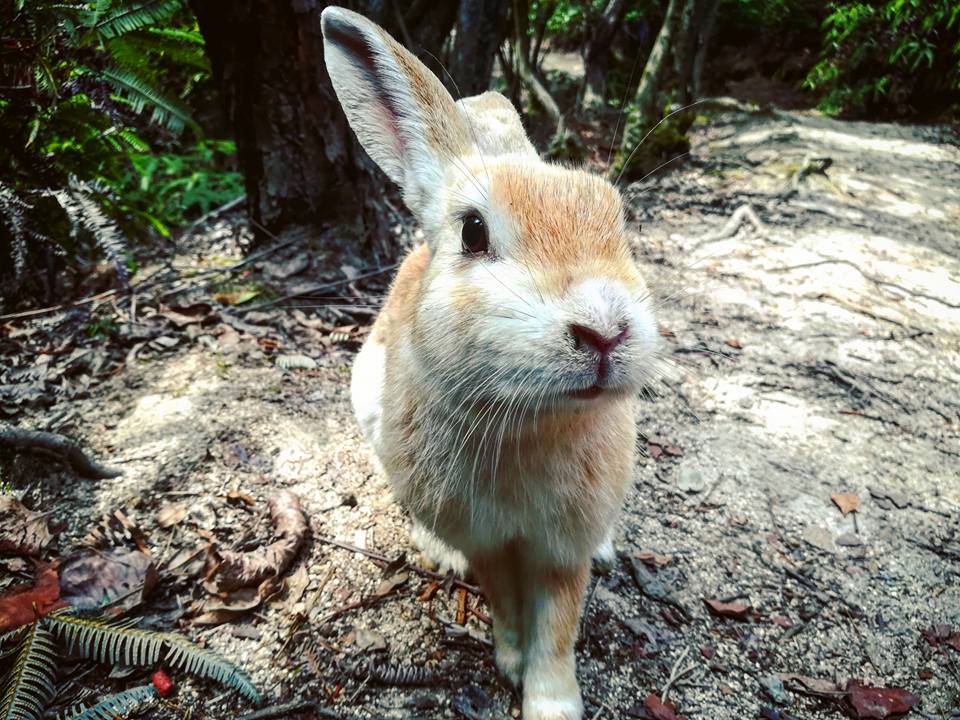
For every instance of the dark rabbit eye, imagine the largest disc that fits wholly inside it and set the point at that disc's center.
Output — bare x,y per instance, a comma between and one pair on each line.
474,234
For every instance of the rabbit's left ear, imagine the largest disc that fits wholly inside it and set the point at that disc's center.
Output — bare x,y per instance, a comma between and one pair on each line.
403,116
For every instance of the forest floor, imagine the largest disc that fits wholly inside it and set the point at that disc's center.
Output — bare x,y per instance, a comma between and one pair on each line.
817,352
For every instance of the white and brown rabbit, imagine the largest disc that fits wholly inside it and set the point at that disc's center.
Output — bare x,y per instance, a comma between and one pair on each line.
498,386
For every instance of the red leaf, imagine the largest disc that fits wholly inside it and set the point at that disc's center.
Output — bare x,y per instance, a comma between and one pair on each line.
22,605
661,710
162,682
732,610
879,703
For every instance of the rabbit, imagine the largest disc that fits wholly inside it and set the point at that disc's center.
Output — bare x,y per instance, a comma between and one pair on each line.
499,384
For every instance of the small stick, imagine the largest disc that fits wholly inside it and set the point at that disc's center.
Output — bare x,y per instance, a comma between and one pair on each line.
383,559
285,709
676,673
461,607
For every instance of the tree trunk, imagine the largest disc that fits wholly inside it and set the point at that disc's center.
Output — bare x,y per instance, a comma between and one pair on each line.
544,11
684,49
596,58
645,114
299,160
481,27
706,19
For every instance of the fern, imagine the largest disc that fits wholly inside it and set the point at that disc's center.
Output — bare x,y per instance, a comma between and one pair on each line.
30,680
119,705
134,16
84,212
113,643
140,94
193,659
11,212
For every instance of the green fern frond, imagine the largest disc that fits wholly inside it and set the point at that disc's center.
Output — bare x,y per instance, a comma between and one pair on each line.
111,643
200,661
30,680
141,94
115,707
106,642
84,212
134,16
10,641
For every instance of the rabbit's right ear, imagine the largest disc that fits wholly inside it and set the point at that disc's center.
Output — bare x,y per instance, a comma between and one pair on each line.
404,117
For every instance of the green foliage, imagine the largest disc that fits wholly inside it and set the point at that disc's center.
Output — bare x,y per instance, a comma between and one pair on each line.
895,58
173,188
29,684
93,87
118,705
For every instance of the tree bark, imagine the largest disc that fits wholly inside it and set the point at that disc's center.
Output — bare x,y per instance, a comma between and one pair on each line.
706,19
645,114
596,58
684,49
480,28
299,160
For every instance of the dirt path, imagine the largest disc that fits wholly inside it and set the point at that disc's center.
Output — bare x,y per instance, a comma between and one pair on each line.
816,355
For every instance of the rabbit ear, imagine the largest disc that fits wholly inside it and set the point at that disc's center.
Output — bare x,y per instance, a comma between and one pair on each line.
404,117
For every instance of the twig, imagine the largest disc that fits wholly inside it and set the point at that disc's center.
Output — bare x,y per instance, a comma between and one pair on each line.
59,446
56,308
295,707
676,673
744,212
325,286
383,559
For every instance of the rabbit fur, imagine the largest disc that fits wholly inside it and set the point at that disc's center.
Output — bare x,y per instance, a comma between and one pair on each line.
498,388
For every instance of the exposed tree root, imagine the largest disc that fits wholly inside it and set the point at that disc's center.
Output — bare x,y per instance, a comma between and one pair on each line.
58,446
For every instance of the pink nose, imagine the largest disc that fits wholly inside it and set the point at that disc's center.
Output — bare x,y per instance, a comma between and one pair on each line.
585,337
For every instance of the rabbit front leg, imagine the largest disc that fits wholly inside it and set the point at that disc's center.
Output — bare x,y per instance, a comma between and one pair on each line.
553,597
499,575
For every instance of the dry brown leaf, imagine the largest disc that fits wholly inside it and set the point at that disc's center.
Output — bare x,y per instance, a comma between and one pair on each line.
235,497
653,559
660,710
732,610
184,315
95,578
871,703
734,343
22,531
226,609
810,685
171,515
848,502
23,604
232,570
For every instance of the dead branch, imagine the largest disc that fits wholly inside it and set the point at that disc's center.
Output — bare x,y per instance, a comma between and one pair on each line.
295,707
742,213
58,446
383,560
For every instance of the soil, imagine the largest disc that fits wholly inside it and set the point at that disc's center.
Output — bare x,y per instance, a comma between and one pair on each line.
817,353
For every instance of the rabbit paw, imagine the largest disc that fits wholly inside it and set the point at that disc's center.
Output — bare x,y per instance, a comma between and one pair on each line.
605,556
509,661
543,708
438,554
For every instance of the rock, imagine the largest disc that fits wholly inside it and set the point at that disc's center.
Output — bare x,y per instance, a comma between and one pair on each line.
819,538
773,686
691,480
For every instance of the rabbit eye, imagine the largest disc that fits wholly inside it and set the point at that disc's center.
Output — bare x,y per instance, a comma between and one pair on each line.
474,234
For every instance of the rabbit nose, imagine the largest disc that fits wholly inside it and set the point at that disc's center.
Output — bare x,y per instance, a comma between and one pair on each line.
586,337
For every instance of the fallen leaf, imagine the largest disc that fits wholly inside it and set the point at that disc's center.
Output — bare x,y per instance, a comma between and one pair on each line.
121,577
22,531
296,586
781,621
235,497
664,331
660,710
233,605
735,344
942,634
171,515
848,502
655,451
21,605
731,610
184,315
879,703
236,298
674,450
369,640
653,559
391,583
810,685
231,570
